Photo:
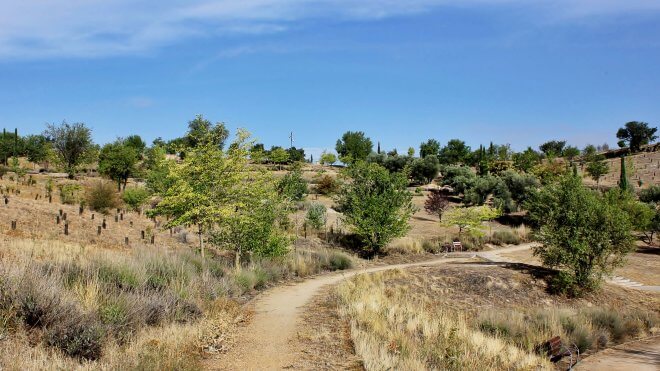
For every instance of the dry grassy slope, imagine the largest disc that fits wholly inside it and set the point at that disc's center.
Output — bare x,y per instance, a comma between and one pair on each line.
36,219
643,166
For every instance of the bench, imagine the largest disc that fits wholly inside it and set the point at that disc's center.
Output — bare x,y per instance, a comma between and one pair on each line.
555,350
457,245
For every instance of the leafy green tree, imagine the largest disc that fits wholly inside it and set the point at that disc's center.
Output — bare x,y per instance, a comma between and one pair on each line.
481,189
36,148
469,219
456,152
353,146
296,154
581,233
376,203
597,168
135,197
589,153
424,170
158,168
136,142
328,158
292,186
201,129
428,148
317,216
520,187
553,148
411,152
570,152
71,143
221,194
635,134
279,156
118,161
526,160
459,178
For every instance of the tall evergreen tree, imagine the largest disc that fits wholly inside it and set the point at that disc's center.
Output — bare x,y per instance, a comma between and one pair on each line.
623,180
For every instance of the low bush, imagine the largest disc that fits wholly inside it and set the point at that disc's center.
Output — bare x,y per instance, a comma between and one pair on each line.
101,197
326,185
505,237
135,197
339,261
78,337
70,193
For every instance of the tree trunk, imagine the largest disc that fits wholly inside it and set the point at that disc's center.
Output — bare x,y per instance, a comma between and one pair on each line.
237,261
201,242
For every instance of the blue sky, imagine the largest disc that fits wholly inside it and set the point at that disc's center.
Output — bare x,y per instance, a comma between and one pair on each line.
511,71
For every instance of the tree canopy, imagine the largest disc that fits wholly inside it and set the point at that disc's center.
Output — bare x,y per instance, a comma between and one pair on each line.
353,146
582,233
72,144
376,204
635,134
428,148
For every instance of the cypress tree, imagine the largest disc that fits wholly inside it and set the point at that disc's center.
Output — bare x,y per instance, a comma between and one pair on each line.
575,171
623,180
379,147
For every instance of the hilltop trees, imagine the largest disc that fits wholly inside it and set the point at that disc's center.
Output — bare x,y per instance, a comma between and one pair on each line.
376,203
635,134
456,152
526,160
72,144
353,146
201,130
581,233
36,148
553,148
428,148
328,158
118,161
424,170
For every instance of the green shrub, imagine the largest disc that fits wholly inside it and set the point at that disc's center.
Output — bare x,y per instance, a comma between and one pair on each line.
339,261
317,216
102,197
70,193
119,276
431,246
648,195
135,197
77,337
505,237
245,280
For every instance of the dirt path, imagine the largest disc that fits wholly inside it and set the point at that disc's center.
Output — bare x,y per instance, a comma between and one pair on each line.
643,355
268,341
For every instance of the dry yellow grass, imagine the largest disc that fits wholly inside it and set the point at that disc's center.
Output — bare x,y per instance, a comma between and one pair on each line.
392,329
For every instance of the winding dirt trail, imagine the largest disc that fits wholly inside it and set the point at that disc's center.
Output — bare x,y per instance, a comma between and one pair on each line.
268,341
642,355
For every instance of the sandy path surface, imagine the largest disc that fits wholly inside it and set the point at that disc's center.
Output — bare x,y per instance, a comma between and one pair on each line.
268,341
643,355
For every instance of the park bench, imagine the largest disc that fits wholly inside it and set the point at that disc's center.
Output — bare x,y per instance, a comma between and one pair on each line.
457,245
555,349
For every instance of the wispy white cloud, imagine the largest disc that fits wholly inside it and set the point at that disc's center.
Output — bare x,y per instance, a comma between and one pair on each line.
92,28
141,102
